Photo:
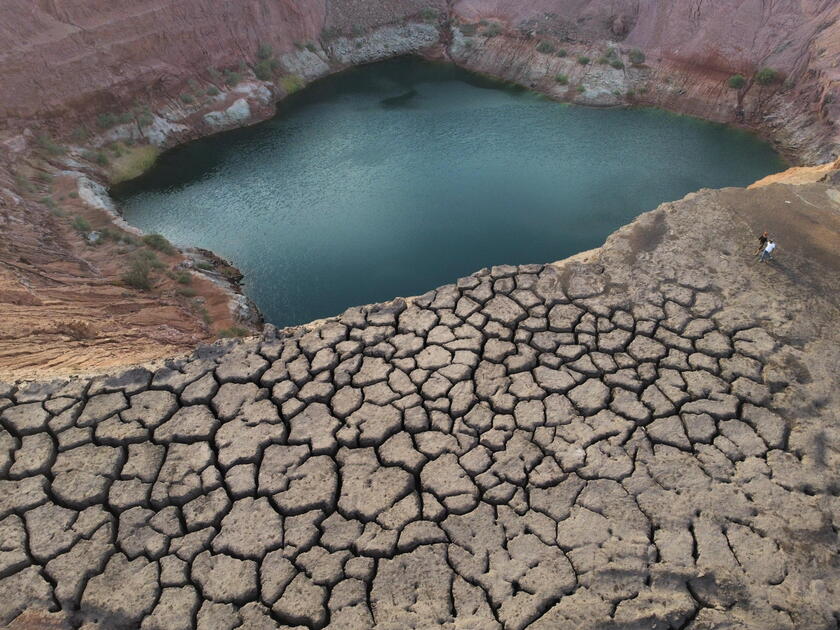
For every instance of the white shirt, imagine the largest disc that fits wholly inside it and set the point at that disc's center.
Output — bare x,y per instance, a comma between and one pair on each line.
771,245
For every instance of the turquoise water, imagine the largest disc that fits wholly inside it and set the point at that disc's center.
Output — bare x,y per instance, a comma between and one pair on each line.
396,178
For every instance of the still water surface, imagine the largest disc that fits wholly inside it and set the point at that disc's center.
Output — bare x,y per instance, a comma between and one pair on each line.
396,178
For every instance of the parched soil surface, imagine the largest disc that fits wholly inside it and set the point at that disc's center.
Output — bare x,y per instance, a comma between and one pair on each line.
645,437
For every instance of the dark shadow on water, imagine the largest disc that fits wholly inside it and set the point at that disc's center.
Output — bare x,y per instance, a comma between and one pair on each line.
403,100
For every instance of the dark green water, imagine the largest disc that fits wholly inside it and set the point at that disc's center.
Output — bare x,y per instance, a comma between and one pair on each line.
399,177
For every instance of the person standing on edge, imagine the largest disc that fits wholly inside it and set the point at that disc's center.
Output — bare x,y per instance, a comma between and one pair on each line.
766,254
762,242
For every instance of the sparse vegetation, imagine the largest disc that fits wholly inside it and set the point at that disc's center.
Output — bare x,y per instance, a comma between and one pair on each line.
468,29
233,331
44,178
186,291
232,78
617,64
139,271
79,134
546,48
562,52
98,157
311,47
329,32
429,14
133,162
206,266
159,243
80,224
291,83
183,277
636,56
23,185
562,79
212,91
493,29
736,81
106,120
583,60
47,145
187,98
264,51
581,89
766,76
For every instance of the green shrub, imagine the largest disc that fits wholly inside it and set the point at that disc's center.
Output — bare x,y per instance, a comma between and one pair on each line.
583,60
468,29
264,51
150,258
581,89
138,274
736,81
80,224
493,29
546,48
106,120
232,78
45,178
98,157
603,60
46,143
187,291
206,266
562,52
233,331
159,243
329,32
637,57
617,64
429,14
144,119
766,76
266,69
187,98
73,195
357,30
311,47
48,201
79,134
212,91
562,79
183,277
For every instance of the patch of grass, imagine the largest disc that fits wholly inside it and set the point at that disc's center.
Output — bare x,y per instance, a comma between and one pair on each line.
80,224
581,89
49,203
45,178
133,162
233,331
186,292
150,258
562,79
736,81
617,64
46,144
145,118
183,277
205,315
583,60
546,48
766,76
205,266
562,52
159,243
187,98
212,91
291,83
636,56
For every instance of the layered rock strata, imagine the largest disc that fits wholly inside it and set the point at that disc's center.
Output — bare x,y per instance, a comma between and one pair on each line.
641,437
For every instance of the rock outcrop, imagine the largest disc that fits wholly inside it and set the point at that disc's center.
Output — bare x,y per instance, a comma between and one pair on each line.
640,437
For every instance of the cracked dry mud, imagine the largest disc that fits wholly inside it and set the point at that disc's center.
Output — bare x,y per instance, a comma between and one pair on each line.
633,440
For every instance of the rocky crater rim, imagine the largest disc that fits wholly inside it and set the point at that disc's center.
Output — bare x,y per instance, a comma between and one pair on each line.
113,127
